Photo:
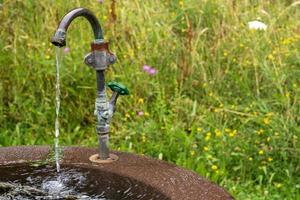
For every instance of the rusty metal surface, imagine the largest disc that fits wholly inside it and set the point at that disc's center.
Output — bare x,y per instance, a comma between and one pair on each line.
171,180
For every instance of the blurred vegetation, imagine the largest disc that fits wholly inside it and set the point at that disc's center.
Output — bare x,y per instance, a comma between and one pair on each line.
224,101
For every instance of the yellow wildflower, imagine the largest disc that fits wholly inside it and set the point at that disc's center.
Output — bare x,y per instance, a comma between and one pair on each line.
216,110
250,158
287,94
227,130
218,132
260,131
193,153
232,133
266,121
270,114
214,167
146,114
207,137
261,152
205,148
199,129
270,159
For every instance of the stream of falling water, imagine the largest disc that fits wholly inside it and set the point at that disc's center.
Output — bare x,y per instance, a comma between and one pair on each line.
57,107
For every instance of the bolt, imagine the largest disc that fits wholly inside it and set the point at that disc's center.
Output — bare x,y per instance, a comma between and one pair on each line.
112,59
90,60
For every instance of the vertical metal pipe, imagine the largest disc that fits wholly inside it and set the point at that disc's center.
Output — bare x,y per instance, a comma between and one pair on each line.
100,81
103,137
103,146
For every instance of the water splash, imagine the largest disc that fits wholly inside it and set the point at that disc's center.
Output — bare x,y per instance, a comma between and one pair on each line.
57,107
76,182
43,183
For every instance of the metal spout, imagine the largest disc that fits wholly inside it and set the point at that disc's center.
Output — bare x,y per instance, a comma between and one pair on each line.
59,38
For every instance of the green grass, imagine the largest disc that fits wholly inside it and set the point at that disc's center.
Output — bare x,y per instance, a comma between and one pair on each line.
224,103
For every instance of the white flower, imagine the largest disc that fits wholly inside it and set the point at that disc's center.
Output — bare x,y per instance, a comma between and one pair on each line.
257,25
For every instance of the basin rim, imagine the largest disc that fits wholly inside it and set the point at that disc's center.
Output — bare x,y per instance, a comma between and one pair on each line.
172,181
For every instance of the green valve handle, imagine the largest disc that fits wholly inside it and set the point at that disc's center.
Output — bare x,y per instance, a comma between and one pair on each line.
118,87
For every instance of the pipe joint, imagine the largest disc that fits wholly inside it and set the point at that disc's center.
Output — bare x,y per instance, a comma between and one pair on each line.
100,57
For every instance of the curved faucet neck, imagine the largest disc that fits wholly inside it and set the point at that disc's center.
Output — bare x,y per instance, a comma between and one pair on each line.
59,38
